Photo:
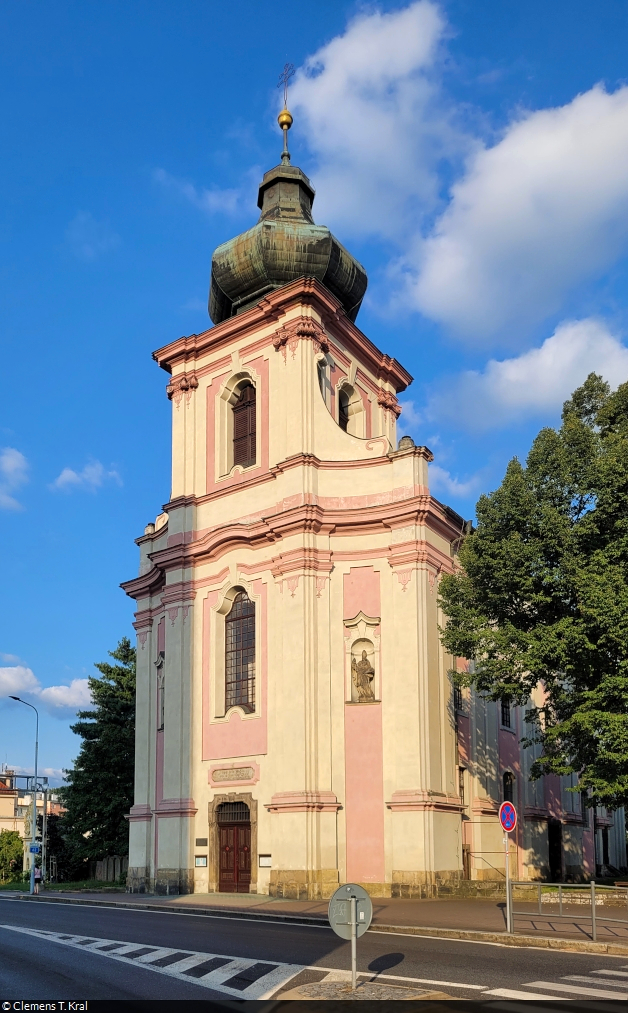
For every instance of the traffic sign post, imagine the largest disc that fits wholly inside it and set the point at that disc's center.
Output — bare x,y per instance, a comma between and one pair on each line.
350,913
508,821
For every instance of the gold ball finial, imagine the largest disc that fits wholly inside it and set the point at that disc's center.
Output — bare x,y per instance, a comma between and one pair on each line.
285,119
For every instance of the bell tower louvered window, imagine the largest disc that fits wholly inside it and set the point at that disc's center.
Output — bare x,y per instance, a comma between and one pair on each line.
343,410
244,427
240,654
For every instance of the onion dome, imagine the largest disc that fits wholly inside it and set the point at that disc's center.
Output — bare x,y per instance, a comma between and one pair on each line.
283,246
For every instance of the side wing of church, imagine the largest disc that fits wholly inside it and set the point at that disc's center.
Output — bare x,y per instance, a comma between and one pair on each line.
296,723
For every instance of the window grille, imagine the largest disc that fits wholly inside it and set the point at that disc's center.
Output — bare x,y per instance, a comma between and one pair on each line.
509,787
458,698
244,427
233,812
461,784
240,654
506,713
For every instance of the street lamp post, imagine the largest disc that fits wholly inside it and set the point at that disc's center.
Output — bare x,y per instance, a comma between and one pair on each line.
34,823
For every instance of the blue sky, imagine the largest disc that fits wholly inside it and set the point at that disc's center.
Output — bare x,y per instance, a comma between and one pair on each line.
473,155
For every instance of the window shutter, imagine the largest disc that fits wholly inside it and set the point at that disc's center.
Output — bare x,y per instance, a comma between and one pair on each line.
244,427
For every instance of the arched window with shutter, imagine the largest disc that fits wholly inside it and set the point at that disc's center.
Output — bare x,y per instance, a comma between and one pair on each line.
240,654
343,410
244,427
509,787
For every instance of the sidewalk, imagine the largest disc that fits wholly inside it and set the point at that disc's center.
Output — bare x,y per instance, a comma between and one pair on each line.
474,919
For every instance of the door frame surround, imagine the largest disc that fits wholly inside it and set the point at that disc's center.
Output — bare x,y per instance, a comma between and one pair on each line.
213,885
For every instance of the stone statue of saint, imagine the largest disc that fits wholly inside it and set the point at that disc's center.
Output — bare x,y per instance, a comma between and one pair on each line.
363,673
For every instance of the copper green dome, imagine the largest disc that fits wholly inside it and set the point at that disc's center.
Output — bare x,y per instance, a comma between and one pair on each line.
283,246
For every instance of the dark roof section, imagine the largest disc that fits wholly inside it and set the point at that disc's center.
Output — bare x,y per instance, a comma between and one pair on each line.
284,245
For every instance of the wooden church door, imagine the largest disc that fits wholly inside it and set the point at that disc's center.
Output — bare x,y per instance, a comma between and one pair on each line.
235,855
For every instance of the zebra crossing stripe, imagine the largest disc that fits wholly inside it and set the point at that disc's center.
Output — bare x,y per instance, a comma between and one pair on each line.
236,976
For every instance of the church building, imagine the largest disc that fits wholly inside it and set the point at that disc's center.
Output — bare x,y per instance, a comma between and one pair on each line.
297,726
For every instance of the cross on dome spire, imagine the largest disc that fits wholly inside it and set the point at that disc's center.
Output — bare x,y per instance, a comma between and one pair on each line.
285,117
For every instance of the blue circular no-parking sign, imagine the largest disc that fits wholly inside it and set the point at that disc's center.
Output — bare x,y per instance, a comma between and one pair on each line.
507,816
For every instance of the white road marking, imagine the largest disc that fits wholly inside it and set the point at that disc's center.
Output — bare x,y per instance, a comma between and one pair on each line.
593,981
373,976
263,982
618,974
597,993
512,993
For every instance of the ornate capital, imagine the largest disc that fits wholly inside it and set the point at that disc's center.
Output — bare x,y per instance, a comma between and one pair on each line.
303,328
186,384
388,402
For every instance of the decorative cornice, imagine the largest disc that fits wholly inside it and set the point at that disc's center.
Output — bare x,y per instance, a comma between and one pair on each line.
270,309
146,584
535,812
139,813
417,800
484,807
305,517
316,560
175,807
303,801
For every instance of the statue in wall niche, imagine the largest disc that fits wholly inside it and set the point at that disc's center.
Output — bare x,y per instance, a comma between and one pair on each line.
363,673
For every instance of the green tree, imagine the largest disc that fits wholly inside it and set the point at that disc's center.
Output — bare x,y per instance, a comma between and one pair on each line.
100,785
542,596
11,855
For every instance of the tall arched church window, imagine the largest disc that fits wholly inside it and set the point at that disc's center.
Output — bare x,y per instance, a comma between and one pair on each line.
244,427
240,654
343,410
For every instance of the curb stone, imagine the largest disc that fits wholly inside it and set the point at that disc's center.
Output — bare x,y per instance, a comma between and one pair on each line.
470,935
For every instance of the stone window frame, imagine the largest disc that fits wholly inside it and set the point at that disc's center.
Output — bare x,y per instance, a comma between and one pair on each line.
212,863
362,627
218,612
227,397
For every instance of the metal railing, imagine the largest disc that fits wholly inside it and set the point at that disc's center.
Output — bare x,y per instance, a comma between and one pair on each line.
588,891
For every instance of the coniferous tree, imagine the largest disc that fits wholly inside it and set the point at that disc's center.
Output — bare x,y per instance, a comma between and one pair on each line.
542,596
99,792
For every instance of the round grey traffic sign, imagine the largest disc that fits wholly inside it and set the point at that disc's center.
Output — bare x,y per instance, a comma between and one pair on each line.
340,910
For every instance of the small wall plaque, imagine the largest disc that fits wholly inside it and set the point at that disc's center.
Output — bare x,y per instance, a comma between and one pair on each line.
233,774
200,861
265,861
201,842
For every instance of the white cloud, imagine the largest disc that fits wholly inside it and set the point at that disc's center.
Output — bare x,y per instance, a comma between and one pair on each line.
543,210
18,680
534,383
76,696
92,477
442,480
411,418
369,107
8,657
13,474
226,201
54,774
88,238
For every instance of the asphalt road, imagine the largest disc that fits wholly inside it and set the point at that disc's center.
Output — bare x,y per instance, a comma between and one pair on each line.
37,963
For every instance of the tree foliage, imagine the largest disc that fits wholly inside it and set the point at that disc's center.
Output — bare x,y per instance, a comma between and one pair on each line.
542,596
11,855
100,785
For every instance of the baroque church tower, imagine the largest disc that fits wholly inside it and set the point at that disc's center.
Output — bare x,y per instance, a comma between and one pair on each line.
294,719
